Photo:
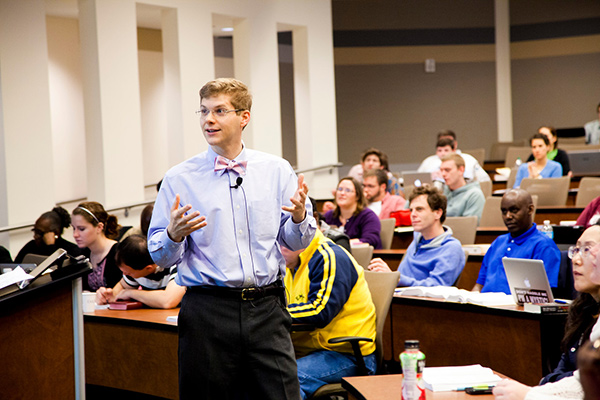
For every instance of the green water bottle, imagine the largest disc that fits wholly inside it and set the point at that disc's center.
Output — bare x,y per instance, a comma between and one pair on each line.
413,363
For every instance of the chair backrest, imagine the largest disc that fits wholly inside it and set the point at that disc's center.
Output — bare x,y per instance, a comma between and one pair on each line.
512,177
492,216
512,153
550,191
31,258
498,152
486,188
363,255
387,232
381,285
463,228
478,154
589,189
468,276
578,140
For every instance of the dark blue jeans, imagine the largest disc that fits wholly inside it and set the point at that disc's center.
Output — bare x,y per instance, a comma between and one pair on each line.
322,367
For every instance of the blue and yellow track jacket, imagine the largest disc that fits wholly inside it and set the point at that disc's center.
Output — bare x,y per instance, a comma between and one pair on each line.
328,290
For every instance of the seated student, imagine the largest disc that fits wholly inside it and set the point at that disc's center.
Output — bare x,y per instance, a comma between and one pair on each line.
375,159
592,129
95,232
464,199
380,201
569,387
143,280
590,214
447,143
5,257
583,311
337,237
523,240
47,235
434,257
588,360
327,289
554,153
541,167
351,215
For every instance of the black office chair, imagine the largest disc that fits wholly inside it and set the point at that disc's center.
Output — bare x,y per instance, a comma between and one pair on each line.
381,286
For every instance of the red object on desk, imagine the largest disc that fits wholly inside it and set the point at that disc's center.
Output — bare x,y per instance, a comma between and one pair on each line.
402,217
125,305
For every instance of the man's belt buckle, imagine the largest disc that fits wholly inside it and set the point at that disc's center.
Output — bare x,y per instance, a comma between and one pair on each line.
249,293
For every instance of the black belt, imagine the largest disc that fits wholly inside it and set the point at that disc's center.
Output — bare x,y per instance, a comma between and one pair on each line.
246,294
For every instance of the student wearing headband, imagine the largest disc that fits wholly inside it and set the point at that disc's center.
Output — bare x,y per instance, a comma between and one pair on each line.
95,231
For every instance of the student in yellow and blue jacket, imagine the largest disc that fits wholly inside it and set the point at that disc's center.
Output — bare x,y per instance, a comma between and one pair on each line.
326,288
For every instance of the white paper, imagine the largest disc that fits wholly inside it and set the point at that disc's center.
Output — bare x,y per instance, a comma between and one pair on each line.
172,318
14,276
456,295
440,379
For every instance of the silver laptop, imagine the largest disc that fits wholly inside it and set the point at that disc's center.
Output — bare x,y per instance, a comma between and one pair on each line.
416,179
584,162
527,280
40,269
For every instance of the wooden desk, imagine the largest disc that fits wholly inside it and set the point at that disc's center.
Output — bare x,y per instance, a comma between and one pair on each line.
557,213
384,387
132,350
524,346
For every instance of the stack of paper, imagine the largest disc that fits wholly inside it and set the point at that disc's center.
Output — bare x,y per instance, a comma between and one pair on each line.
14,276
441,379
454,294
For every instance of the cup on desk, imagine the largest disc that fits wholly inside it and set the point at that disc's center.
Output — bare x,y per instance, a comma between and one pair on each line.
89,302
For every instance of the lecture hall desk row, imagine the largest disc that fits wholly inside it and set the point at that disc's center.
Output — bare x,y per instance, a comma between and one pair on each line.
521,345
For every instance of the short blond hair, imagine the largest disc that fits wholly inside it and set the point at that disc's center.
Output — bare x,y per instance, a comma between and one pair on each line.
458,160
238,92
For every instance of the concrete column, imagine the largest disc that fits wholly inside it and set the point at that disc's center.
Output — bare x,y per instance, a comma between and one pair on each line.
26,161
112,101
256,63
503,79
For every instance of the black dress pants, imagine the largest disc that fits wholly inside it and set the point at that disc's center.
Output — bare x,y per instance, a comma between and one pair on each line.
231,348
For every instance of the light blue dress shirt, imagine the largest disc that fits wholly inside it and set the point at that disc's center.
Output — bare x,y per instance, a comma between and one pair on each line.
551,170
239,246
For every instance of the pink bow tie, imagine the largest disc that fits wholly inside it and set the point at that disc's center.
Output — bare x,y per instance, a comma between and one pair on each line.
222,163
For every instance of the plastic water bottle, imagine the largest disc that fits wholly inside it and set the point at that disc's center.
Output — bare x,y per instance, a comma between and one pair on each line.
413,363
547,229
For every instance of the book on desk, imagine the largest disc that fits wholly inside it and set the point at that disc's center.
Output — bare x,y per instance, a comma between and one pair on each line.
125,305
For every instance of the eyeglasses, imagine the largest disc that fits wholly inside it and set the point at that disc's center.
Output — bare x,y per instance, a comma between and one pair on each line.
582,251
219,112
345,190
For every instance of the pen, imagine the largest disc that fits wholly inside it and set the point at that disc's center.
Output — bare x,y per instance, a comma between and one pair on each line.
560,301
462,389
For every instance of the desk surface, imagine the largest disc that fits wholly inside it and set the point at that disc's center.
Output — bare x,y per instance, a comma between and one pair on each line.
522,345
384,387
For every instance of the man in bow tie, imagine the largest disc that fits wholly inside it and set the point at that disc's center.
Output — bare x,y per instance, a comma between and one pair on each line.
222,216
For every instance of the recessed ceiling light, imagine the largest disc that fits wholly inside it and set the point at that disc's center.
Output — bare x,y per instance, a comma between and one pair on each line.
229,29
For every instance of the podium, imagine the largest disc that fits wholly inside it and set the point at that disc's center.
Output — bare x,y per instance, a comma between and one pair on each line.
41,337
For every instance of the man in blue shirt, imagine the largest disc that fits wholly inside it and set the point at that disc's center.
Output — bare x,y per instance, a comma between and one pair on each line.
222,216
523,240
